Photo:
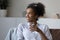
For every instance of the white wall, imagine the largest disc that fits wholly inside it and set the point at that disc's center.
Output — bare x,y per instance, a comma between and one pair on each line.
52,23
18,6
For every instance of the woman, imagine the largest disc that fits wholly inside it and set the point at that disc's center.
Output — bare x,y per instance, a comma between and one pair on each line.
31,30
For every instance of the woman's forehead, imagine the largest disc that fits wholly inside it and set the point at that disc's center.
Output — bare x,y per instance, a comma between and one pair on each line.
29,10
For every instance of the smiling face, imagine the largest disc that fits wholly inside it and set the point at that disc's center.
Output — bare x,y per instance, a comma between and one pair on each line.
30,15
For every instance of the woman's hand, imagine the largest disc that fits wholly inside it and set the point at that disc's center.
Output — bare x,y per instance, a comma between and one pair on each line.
35,28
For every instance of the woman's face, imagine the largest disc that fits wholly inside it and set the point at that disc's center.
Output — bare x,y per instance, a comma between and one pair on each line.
30,15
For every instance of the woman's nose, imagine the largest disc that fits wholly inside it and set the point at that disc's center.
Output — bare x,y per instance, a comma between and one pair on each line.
27,14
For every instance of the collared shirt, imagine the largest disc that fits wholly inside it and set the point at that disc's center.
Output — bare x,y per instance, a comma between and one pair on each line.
24,33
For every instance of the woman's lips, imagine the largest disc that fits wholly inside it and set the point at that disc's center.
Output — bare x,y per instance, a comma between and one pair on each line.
27,18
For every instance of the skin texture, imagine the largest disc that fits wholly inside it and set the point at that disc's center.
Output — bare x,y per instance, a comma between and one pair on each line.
31,18
30,15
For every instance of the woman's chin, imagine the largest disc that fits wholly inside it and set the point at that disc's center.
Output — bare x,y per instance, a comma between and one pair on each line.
29,20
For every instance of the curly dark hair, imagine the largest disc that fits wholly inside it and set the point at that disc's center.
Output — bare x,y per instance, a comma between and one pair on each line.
38,8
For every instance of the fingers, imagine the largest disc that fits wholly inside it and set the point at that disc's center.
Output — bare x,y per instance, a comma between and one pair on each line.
33,28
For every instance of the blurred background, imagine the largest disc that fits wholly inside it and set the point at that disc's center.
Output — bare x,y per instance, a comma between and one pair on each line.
12,12
16,8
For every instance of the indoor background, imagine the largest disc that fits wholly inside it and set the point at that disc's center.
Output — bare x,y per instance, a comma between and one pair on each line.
12,12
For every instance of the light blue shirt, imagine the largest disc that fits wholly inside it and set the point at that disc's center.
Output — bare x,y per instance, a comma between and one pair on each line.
22,32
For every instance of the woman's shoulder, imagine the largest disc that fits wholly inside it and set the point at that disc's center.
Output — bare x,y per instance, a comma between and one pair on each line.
43,26
22,25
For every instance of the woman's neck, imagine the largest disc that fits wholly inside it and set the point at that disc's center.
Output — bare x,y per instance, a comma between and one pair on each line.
34,22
